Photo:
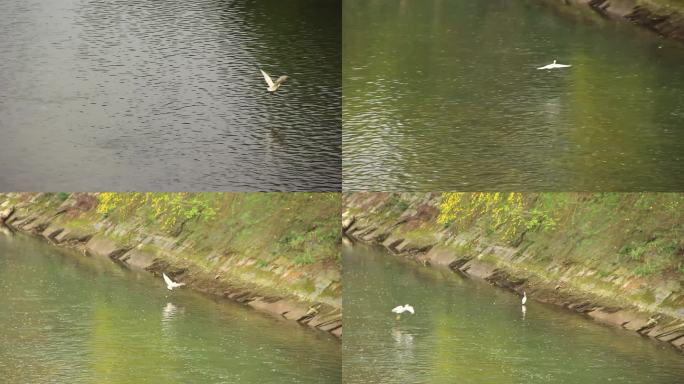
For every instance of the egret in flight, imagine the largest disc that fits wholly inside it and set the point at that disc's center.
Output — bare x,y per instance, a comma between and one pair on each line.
273,85
554,66
401,309
170,284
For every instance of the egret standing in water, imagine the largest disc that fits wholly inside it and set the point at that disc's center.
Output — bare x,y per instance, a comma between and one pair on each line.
523,301
170,284
554,66
273,85
401,309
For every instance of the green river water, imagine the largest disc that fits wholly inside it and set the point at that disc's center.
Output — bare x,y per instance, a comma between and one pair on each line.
67,318
446,95
466,331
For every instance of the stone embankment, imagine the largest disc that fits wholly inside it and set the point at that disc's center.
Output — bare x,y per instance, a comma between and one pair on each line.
664,17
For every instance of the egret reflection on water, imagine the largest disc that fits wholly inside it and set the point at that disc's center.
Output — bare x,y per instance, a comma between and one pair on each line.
169,311
402,337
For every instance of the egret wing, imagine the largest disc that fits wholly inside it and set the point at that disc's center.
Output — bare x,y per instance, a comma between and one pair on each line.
410,309
398,309
267,78
281,79
167,279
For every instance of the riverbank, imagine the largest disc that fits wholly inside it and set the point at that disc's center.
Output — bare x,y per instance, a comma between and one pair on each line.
614,257
277,253
664,17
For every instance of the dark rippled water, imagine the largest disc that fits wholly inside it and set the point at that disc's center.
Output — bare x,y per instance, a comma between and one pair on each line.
468,332
167,95
445,95
67,318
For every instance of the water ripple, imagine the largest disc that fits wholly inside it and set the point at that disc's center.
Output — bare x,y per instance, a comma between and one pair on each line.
446,96
123,94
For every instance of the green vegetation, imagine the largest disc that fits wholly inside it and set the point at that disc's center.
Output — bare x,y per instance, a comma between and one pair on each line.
302,227
395,205
676,5
642,230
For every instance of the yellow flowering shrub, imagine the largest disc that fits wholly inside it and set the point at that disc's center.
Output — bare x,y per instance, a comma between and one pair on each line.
505,213
167,209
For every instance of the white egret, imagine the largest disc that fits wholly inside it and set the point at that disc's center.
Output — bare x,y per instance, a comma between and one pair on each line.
170,284
273,85
524,299
554,66
403,308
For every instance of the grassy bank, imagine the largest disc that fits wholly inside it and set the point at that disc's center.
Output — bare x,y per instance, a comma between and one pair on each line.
637,234
301,228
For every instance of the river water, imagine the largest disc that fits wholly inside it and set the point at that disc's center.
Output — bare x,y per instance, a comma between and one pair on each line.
466,331
67,318
167,95
445,95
